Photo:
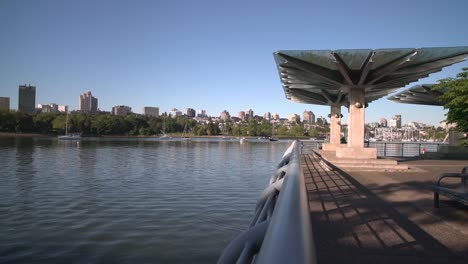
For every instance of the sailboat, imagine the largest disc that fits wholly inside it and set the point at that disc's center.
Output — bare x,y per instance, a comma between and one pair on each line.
272,138
163,131
72,136
185,136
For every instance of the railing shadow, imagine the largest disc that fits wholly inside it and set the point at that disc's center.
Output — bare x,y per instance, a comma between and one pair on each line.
353,224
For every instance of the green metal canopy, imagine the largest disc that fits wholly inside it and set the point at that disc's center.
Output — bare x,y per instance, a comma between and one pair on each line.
325,77
419,94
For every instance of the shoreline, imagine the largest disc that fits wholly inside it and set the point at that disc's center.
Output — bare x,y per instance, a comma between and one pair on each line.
37,135
22,135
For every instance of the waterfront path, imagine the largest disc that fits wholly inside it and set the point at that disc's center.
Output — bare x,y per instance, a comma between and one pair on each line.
384,217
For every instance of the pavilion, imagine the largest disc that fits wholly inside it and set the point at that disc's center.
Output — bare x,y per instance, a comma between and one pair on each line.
419,94
354,78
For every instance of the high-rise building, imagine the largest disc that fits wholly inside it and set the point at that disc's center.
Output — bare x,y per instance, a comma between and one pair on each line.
241,115
5,103
121,110
267,116
275,116
190,112
201,113
383,122
294,118
27,99
175,112
151,111
309,117
396,121
88,103
225,115
249,114
63,108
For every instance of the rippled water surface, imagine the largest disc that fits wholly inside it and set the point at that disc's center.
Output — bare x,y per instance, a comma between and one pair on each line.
127,201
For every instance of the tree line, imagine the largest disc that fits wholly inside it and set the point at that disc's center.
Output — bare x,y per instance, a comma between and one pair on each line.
138,125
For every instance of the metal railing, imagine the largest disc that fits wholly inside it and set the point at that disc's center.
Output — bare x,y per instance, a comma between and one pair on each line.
281,230
403,149
389,148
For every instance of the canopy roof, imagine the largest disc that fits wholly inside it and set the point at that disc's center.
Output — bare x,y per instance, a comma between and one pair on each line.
325,77
419,94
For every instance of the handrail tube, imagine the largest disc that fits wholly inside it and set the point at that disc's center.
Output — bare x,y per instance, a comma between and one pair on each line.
280,231
247,253
289,235
261,211
271,188
254,235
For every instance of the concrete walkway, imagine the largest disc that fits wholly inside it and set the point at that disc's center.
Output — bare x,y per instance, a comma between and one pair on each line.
384,217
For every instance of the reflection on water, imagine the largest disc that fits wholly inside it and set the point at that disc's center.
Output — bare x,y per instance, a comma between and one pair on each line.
131,201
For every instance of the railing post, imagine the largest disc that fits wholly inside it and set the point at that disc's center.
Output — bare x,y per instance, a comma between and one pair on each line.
402,150
385,149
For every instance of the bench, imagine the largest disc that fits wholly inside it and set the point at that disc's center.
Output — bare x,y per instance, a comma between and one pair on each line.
458,193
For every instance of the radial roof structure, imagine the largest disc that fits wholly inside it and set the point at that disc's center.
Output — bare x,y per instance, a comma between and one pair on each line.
419,94
325,77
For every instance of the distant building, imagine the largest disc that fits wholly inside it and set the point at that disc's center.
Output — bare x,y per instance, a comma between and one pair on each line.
225,115
383,122
190,112
63,108
275,116
88,103
257,118
249,114
396,121
48,108
151,111
5,103
27,99
175,112
241,115
309,117
321,121
267,116
373,125
294,118
121,110
201,113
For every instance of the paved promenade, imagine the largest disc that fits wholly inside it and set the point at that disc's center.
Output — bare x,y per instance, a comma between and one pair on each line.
384,217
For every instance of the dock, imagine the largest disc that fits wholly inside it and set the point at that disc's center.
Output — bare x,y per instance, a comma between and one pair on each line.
383,216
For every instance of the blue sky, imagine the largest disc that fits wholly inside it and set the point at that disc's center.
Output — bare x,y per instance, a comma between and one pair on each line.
211,55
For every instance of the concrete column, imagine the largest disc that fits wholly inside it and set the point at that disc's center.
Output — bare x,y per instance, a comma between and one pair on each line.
335,124
356,118
335,129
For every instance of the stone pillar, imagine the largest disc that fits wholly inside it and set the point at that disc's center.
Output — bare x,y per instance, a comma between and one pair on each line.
356,121
335,124
356,118
335,128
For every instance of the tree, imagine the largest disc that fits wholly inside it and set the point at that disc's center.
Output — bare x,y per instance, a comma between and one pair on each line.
7,121
296,131
455,99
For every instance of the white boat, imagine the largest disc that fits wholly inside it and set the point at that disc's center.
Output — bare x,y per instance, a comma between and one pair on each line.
165,136
72,136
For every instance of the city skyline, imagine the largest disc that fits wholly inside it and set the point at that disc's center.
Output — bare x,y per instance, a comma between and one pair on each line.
207,55
128,110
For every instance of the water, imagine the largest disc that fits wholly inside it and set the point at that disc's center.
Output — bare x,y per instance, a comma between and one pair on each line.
127,201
